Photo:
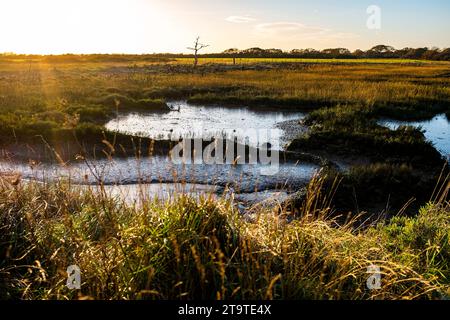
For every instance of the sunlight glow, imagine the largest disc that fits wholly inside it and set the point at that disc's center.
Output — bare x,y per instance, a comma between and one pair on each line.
149,26
82,26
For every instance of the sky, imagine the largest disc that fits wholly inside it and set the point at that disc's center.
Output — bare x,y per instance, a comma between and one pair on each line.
154,26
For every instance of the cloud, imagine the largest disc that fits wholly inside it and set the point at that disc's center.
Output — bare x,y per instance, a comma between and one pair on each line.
299,31
240,19
288,29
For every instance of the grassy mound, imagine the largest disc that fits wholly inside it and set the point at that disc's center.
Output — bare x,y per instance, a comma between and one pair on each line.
348,130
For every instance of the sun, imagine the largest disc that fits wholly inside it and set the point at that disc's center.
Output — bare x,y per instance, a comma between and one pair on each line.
82,26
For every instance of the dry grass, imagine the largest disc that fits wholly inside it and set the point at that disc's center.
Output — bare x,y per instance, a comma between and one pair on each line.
186,249
189,249
38,98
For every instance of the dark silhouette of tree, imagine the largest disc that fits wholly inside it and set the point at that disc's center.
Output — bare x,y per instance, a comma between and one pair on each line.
382,49
377,52
336,53
254,51
358,53
432,54
231,51
274,51
197,47
415,53
444,55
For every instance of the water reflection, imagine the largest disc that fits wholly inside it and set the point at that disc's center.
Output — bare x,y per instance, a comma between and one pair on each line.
206,121
437,130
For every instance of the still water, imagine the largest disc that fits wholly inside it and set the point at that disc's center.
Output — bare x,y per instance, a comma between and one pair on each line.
437,130
197,121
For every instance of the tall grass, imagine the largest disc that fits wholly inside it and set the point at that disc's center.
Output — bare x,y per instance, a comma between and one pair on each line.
185,248
43,98
188,248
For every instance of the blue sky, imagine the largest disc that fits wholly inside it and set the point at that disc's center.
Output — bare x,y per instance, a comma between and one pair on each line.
139,26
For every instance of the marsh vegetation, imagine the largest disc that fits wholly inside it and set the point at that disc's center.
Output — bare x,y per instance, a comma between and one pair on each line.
381,196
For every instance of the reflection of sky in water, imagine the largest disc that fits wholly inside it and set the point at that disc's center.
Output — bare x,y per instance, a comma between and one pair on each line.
206,122
161,169
249,126
437,130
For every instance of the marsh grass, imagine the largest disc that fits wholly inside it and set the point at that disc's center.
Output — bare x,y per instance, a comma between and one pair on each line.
346,130
43,98
185,248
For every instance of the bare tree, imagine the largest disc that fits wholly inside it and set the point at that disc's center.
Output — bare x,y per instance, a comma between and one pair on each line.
197,47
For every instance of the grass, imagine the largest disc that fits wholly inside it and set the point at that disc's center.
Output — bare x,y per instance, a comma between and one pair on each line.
399,165
389,186
200,249
45,97
117,58
187,248
346,130
125,103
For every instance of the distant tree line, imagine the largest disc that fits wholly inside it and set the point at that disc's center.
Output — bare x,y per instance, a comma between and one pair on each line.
379,51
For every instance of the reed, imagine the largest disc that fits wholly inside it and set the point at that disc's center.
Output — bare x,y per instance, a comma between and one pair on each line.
185,248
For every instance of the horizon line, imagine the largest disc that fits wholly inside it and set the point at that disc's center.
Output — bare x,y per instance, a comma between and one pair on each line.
12,53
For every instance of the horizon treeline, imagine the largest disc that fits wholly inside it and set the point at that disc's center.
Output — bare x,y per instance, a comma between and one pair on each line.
377,52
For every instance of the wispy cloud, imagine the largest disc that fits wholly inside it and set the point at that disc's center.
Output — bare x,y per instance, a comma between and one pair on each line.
240,19
299,31
288,29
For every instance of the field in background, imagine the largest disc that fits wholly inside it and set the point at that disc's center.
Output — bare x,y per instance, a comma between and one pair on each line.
118,59
39,97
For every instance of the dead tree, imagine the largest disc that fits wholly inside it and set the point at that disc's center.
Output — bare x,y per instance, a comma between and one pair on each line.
197,47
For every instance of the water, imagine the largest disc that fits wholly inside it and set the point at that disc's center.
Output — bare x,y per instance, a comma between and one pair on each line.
437,130
135,180
131,179
159,169
193,121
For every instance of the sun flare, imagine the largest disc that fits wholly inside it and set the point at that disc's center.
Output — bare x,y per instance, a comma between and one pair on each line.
82,26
